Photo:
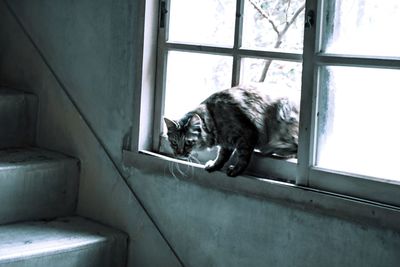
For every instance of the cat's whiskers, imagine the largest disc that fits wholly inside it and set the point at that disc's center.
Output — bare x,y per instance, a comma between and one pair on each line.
193,159
171,169
176,170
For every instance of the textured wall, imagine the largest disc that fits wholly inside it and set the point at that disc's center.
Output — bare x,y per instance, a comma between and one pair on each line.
88,45
216,228
77,44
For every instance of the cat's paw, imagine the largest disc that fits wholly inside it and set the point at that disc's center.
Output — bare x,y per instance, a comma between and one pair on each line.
233,171
210,166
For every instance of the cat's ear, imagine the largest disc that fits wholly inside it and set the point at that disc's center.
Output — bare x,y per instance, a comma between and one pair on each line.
195,121
284,111
171,125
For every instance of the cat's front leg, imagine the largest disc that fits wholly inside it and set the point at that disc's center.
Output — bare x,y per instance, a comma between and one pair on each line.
223,156
244,154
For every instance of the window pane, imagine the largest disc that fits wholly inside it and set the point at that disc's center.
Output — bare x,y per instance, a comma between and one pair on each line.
209,22
191,78
358,123
268,25
284,74
362,27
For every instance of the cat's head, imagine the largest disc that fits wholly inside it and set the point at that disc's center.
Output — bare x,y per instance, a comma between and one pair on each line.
184,136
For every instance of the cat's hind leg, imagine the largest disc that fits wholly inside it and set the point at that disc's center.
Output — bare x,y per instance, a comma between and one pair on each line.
223,156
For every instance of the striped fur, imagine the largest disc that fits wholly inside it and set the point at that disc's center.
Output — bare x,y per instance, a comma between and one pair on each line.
239,120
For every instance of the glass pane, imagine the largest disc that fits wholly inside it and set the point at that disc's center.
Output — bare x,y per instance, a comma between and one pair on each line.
362,27
358,123
284,74
191,78
273,25
209,22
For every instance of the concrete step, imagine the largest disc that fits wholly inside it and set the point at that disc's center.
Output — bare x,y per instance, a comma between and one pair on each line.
36,184
64,242
18,112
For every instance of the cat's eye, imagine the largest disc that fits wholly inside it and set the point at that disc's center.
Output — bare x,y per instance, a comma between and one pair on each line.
189,142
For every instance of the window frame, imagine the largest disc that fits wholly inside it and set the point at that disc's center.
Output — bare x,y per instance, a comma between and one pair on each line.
363,189
276,168
361,186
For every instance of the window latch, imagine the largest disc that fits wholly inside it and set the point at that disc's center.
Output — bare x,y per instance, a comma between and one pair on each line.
309,19
163,12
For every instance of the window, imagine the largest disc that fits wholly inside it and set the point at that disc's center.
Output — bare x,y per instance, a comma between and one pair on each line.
212,45
342,56
349,109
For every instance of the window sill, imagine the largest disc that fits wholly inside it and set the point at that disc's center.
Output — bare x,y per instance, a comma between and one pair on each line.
300,197
277,169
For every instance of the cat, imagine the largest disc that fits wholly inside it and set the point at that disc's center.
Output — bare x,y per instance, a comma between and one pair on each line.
238,120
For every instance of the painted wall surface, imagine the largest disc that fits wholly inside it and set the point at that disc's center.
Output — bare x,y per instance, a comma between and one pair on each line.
215,228
88,44
89,48
103,195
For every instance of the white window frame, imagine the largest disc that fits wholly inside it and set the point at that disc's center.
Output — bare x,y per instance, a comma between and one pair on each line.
259,165
360,186
149,104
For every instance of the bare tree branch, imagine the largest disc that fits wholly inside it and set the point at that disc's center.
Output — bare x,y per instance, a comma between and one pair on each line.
279,40
287,10
287,26
296,14
265,15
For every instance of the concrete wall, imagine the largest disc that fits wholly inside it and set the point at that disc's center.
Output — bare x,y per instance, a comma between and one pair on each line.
88,48
84,47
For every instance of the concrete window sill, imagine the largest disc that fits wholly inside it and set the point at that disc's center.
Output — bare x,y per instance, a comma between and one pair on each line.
301,197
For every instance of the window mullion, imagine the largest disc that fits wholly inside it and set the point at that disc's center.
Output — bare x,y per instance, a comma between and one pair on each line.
237,42
308,93
357,61
218,50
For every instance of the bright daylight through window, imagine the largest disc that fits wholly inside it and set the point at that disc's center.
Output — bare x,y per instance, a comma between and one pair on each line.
274,26
223,43
342,57
359,105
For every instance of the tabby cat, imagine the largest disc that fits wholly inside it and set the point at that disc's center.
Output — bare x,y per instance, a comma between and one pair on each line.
238,120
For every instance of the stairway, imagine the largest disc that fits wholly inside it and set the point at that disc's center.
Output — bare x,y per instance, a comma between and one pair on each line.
38,197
